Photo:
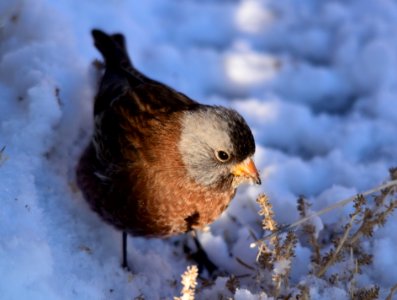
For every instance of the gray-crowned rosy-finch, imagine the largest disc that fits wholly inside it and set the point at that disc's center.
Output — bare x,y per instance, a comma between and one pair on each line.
159,163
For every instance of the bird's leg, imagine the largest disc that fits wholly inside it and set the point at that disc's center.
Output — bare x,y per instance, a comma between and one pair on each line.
124,262
201,257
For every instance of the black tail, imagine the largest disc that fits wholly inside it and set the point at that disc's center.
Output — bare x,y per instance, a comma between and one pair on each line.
112,48
120,75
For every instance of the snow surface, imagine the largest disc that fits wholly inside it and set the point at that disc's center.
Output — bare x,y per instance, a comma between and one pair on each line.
316,81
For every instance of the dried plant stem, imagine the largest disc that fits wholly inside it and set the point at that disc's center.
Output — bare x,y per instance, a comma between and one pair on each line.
189,282
304,292
392,183
340,204
341,243
392,291
277,253
310,230
375,220
243,263
3,158
316,256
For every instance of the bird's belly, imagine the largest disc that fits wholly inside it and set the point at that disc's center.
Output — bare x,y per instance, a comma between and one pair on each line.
176,216
145,212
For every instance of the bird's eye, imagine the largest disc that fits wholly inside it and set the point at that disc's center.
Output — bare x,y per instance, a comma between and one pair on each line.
222,156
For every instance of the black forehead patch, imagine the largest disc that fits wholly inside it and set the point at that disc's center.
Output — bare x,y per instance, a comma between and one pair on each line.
241,135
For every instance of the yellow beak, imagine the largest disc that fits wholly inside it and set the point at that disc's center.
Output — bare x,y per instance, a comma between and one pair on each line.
247,169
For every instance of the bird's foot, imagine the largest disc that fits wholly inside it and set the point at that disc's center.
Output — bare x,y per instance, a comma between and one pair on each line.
124,262
125,266
200,256
203,261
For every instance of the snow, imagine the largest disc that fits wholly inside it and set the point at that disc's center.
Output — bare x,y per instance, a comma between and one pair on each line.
315,80
281,266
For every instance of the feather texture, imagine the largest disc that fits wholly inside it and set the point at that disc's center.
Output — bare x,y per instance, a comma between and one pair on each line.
138,173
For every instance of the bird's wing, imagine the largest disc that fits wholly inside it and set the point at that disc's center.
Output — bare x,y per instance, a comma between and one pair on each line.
129,107
122,80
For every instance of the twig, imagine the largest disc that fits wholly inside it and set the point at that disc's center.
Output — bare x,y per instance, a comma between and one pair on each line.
372,221
392,291
331,260
243,263
2,158
310,230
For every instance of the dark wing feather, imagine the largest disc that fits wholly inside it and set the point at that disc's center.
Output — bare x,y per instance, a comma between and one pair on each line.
121,80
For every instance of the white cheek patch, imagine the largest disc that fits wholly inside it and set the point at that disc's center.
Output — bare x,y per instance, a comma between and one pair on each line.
203,133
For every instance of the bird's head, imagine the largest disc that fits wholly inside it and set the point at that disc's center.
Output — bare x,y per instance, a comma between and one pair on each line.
217,147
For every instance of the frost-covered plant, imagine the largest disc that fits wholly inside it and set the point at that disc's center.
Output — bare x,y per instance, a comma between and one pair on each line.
277,249
347,246
275,254
189,282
